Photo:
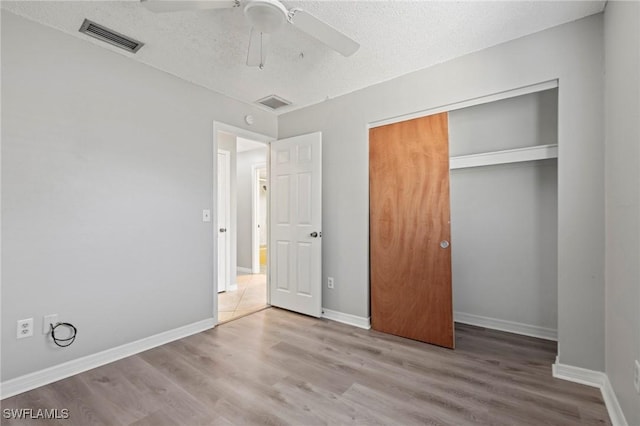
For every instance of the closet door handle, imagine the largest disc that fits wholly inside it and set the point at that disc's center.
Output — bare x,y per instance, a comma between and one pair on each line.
444,244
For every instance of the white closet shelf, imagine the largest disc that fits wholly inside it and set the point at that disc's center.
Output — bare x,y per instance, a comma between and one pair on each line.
517,155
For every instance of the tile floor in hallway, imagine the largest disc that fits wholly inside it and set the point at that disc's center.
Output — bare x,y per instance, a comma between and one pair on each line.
251,296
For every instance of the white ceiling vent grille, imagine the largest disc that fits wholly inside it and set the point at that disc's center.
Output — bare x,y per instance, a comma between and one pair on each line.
109,36
273,102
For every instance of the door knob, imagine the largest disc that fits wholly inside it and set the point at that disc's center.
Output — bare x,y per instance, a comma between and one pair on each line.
444,244
313,234
223,229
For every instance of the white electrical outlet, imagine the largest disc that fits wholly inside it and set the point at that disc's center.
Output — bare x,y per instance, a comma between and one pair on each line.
47,320
636,376
24,328
330,282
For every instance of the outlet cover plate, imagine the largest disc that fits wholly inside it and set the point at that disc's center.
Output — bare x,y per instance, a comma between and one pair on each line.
47,320
24,328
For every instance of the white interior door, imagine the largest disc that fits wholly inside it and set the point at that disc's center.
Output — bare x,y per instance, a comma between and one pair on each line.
224,213
295,243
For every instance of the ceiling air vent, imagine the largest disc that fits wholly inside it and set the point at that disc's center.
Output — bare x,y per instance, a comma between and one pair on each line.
273,102
105,34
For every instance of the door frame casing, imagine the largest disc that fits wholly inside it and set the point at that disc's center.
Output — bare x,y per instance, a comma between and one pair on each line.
247,134
525,90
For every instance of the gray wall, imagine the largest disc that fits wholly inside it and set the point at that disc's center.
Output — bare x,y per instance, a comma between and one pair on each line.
106,167
622,162
246,159
517,122
504,218
571,53
504,239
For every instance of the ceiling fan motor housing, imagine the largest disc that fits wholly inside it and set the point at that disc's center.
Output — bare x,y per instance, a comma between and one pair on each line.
266,16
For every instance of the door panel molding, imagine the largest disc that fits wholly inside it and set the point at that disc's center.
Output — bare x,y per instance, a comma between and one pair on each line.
296,214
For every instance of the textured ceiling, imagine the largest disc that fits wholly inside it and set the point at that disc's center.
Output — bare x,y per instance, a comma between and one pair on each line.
397,37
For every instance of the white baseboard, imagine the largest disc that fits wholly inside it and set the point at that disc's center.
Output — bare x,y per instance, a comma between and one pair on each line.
596,379
613,406
244,270
356,321
34,380
509,326
578,375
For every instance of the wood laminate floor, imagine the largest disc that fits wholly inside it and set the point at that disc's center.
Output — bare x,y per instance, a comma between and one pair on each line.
276,367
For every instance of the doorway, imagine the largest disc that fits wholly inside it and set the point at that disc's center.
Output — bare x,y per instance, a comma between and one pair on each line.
294,179
240,289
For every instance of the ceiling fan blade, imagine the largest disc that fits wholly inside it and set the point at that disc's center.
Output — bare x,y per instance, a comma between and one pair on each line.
324,32
258,44
163,6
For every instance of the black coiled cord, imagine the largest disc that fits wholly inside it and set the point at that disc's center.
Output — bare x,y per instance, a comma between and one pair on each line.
69,339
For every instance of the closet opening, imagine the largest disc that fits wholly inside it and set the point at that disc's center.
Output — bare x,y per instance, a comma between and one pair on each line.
504,219
503,202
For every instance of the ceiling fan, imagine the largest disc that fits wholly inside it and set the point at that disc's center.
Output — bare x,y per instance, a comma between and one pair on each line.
266,17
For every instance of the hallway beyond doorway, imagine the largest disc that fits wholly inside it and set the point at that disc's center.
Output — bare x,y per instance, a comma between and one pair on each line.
251,296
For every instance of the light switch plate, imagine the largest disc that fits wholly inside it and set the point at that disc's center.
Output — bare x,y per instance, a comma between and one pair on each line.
206,215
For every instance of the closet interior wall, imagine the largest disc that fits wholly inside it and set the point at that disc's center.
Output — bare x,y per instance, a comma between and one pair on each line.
504,218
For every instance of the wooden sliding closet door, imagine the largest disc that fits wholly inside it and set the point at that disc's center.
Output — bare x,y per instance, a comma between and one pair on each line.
410,231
